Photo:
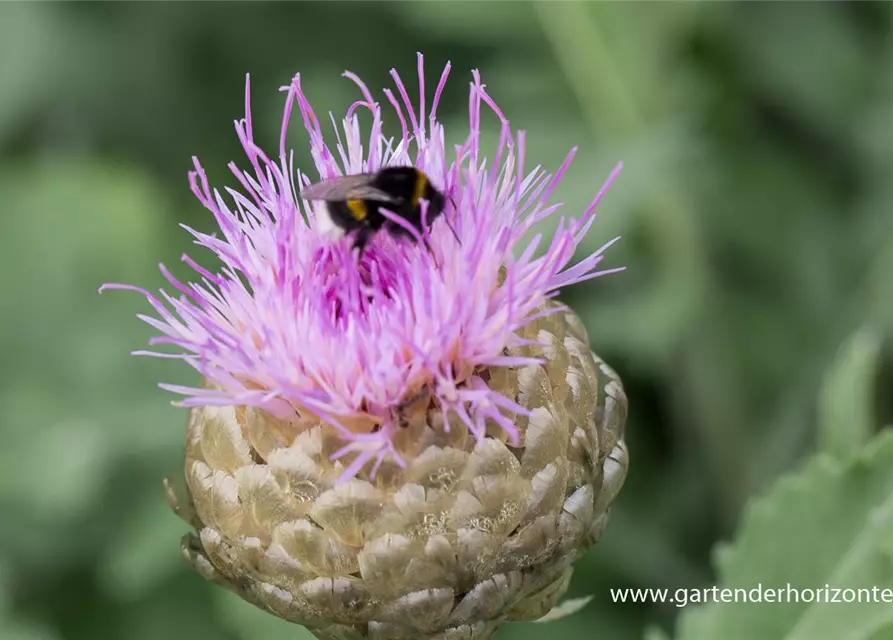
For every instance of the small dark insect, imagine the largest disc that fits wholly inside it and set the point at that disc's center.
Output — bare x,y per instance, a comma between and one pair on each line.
354,202
400,410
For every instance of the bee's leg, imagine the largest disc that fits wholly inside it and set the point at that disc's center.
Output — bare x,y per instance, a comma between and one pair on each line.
431,251
361,239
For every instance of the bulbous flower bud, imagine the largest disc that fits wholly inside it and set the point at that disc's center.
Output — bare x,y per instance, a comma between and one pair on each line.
409,441
468,534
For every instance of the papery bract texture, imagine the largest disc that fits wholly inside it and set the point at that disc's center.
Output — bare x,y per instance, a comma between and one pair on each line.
415,442
469,534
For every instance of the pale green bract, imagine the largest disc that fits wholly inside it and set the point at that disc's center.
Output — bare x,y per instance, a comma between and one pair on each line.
845,404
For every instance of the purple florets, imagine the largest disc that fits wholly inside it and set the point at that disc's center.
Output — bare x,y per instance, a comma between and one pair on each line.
292,324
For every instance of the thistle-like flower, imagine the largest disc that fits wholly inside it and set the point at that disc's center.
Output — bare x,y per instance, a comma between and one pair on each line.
414,442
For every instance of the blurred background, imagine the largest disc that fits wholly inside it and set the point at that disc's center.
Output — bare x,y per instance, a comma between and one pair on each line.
754,209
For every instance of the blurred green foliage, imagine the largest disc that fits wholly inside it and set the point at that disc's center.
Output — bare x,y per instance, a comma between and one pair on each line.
828,526
749,327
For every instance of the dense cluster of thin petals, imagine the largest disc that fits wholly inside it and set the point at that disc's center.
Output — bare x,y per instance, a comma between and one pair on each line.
291,322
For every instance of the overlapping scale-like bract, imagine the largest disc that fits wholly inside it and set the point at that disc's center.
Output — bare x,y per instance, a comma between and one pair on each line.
469,534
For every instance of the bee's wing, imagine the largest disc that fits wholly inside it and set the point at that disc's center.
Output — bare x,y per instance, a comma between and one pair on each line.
345,188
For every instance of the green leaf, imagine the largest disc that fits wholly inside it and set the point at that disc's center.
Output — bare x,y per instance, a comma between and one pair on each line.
846,419
829,524
697,623
655,633
884,634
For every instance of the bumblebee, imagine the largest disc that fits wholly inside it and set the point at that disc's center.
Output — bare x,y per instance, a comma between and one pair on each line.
354,202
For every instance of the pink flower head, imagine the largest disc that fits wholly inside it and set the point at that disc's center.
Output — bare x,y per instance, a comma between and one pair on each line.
294,324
